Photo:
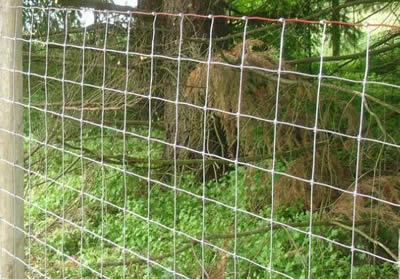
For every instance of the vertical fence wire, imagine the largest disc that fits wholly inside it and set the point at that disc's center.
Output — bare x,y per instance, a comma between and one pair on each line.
203,221
359,139
314,152
274,147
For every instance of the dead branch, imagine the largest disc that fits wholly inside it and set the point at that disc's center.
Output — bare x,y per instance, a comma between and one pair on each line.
232,235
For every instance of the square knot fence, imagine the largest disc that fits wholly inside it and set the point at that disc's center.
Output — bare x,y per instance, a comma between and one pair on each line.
161,144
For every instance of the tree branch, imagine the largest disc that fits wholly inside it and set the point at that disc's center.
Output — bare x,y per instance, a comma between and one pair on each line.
94,4
346,5
110,6
231,235
315,16
331,86
370,239
129,160
343,57
157,258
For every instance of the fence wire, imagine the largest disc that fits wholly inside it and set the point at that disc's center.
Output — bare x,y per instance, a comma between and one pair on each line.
195,156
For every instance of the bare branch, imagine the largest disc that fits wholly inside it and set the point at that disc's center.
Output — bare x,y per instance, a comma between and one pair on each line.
232,235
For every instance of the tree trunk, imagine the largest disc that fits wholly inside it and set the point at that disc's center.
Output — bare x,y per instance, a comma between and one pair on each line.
335,29
171,43
149,5
11,145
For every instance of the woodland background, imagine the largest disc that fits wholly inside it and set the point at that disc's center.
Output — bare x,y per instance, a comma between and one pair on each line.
65,120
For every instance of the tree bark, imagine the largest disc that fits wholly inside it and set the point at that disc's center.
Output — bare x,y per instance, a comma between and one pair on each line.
11,145
149,5
335,28
171,42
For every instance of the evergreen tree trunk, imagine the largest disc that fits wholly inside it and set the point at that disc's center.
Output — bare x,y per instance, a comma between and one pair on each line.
149,5
171,45
335,29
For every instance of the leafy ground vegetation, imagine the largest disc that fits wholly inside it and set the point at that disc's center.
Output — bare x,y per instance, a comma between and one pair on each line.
102,197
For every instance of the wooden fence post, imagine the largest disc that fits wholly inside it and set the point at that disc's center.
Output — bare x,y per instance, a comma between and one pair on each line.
11,144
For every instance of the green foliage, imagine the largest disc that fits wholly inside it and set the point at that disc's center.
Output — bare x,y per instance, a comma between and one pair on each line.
289,250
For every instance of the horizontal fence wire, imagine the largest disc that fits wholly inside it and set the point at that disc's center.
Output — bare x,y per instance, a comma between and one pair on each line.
154,148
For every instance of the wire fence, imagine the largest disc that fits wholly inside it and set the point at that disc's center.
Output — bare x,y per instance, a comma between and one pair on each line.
153,148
